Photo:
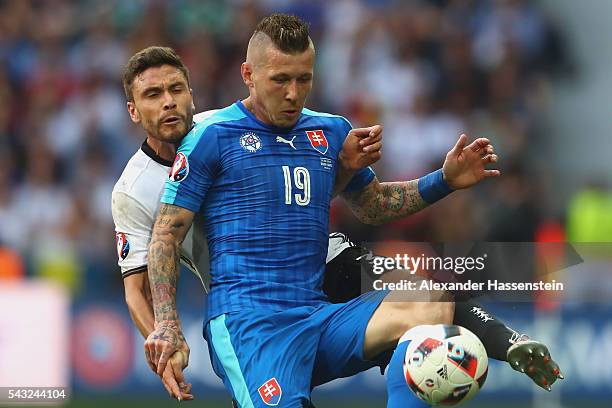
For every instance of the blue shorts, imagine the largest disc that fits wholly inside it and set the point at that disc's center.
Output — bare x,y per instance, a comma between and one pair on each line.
398,393
271,358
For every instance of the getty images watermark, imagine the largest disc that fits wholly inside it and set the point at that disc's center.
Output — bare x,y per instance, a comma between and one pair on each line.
491,268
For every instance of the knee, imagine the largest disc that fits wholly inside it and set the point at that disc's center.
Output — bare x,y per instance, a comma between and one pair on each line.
412,314
394,318
442,313
440,308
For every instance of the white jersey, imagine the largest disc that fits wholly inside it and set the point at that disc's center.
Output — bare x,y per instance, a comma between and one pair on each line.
135,203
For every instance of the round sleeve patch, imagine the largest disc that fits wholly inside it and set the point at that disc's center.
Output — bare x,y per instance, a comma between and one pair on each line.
123,246
180,168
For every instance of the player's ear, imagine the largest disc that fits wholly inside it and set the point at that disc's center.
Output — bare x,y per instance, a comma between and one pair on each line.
134,115
247,74
192,102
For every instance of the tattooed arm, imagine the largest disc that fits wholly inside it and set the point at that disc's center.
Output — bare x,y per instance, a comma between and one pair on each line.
379,203
169,231
465,166
140,305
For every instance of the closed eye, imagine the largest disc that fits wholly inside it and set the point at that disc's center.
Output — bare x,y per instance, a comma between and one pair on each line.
280,79
305,78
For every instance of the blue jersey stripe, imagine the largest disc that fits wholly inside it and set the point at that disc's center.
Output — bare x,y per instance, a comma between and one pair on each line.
226,354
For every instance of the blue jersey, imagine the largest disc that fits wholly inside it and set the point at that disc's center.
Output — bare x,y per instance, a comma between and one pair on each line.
264,193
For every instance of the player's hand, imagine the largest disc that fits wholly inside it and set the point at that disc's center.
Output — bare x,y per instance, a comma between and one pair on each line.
173,378
465,165
361,148
532,358
162,343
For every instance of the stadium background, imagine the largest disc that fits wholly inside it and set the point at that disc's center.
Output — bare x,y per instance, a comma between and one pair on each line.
531,75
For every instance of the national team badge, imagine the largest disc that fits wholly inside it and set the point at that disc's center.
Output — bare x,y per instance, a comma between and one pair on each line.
270,392
318,140
123,246
180,168
250,142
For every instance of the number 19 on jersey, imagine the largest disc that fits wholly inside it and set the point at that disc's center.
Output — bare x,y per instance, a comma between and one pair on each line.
301,180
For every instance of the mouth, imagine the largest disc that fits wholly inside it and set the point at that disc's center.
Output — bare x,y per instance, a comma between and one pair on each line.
290,112
171,120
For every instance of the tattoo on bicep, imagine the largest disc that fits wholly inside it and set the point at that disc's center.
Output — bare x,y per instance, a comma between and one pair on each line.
168,216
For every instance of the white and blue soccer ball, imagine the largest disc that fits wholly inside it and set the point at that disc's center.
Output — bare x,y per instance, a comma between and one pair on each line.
445,364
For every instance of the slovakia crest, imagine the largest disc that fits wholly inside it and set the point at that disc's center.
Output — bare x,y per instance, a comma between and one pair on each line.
123,246
318,140
180,168
250,142
270,392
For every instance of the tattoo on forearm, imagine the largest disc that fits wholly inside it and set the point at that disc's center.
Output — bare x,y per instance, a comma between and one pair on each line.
392,197
163,263
383,202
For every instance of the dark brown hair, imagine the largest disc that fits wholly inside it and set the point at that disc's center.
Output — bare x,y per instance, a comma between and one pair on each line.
150,57
288,33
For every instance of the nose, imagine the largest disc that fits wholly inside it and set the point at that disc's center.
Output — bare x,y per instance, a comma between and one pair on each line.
291,92
169,102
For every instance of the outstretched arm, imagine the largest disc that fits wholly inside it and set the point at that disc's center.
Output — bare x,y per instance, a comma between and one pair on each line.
464,167
170,228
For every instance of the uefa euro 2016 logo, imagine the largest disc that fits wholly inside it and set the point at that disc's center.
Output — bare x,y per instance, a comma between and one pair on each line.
250,142
180,168
123,246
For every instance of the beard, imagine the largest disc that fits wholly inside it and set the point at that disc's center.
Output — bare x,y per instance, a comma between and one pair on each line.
168,134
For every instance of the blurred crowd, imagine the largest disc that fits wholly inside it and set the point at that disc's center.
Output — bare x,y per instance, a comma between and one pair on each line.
427,70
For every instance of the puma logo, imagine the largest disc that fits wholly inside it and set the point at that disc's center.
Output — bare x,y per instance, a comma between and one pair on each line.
283,140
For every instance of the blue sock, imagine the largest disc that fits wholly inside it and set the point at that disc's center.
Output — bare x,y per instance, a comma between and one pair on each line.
398,393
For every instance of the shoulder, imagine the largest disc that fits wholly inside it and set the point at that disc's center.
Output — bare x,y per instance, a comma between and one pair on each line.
208,124
199,117
129,212
141,182
133,172
330,118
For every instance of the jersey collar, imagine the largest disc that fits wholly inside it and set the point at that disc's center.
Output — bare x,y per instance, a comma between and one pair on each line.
264,125
148,150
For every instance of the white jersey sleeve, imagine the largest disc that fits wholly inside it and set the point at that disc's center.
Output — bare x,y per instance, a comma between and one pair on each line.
135,203
133,229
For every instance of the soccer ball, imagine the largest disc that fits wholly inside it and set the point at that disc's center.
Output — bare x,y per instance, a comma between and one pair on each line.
444,364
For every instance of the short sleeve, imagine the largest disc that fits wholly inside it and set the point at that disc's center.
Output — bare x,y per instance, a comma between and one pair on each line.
133,229
194,169
364,176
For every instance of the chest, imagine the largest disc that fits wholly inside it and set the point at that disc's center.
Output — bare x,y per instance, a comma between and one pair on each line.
295,168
